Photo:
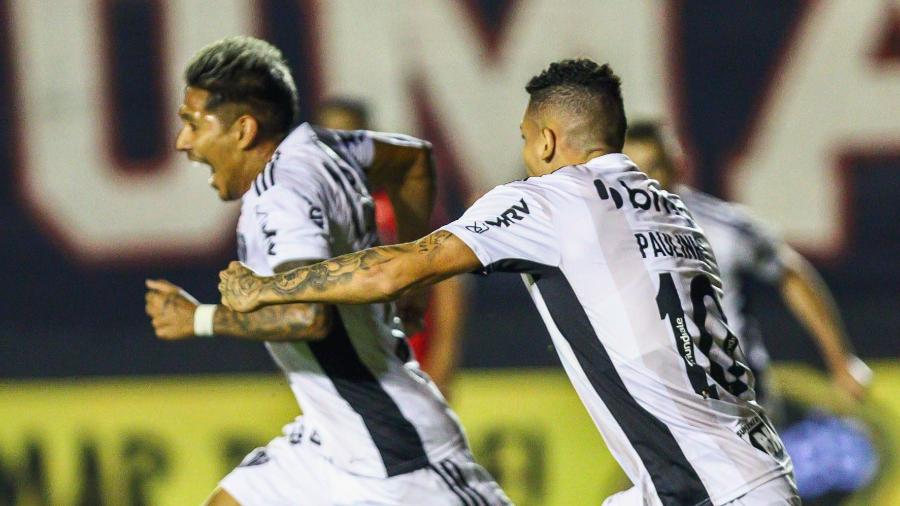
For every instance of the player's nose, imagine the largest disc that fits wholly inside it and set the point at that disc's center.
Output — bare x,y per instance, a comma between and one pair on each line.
183,141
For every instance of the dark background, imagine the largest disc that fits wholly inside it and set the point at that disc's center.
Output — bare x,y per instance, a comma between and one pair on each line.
62,318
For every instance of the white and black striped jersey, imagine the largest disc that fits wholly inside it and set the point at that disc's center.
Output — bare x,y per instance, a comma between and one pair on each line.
744,247
629,290
368,406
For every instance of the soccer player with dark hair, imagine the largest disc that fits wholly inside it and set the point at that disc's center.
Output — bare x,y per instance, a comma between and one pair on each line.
625,282
375,430
342,113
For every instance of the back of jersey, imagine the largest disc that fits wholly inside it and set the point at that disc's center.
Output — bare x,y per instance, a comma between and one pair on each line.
629,290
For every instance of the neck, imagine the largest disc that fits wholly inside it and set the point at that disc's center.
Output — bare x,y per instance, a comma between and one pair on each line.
255,161
576,158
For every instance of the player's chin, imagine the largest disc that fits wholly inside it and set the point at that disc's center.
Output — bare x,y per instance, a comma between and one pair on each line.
224,194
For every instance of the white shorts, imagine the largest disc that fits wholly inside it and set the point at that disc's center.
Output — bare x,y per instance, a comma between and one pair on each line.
778,492
291,471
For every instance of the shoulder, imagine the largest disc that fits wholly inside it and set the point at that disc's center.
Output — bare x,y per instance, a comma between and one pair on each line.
287,177
298,164
563,180
529,188
350,139
340,139
513,202
708,208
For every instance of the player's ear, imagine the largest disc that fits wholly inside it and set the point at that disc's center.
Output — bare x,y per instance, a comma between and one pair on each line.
247,131
548,144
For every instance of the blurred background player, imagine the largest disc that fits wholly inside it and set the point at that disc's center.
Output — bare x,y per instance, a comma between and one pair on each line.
833,455
676,410
437,346
374,430
743,246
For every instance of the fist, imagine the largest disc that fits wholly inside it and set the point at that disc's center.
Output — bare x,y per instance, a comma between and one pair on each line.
240,287
171,310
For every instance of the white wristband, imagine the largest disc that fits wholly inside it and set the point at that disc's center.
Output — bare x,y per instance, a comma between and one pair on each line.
203,320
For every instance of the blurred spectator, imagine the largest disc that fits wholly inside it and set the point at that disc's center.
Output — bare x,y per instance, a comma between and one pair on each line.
437,345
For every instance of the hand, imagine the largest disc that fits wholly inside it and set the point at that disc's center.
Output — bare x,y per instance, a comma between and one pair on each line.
171,310
411,309
240,288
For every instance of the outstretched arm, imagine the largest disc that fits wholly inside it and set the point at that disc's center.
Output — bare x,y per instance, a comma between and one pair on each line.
171,310
811,302
372,275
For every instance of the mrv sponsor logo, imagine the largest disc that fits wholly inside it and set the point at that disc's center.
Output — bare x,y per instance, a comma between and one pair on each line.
515,213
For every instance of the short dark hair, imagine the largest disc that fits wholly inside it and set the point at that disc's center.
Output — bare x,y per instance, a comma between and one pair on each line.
251,73
646,131
582,86
654,133
354,106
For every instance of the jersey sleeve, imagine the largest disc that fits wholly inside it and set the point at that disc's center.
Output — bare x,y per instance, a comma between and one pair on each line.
509,230
292,221
359,145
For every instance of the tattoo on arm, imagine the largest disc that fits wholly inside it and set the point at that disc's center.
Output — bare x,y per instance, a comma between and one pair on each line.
273,323
330,273
276,323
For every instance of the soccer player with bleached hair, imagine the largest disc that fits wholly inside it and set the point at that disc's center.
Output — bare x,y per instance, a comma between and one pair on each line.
625,282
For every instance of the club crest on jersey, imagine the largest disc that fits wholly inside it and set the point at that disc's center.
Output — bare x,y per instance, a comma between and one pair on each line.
639,199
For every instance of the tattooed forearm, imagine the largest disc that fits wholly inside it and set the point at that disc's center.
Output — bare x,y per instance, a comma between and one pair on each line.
341,270
429,244
274,323
330,273
373,275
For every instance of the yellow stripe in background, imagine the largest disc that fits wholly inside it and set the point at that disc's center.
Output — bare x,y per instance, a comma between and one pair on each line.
167,441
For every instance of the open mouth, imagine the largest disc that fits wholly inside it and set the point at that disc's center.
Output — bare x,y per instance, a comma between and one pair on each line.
212,171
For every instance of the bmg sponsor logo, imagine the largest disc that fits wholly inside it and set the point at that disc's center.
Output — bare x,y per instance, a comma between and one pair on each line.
640,199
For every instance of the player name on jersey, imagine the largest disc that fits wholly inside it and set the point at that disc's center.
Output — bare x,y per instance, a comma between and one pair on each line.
662,244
